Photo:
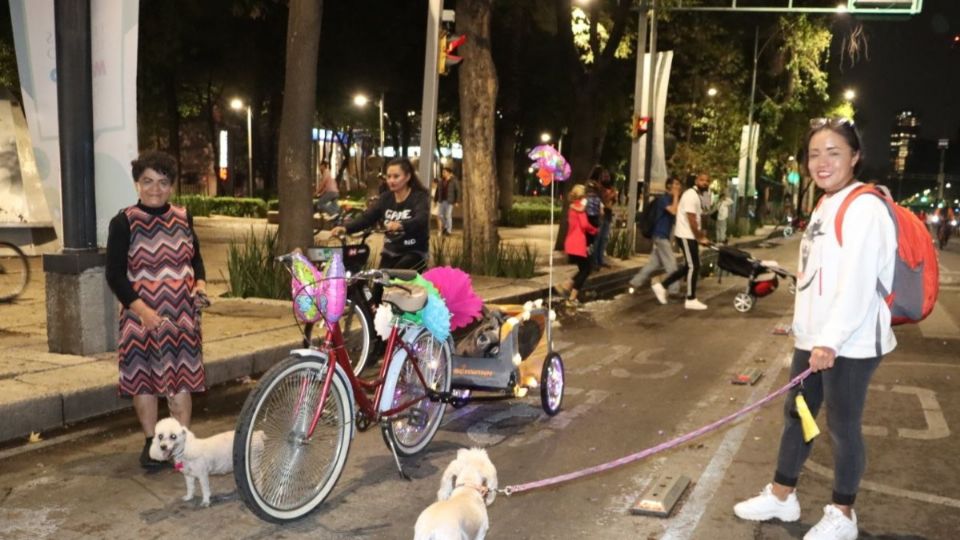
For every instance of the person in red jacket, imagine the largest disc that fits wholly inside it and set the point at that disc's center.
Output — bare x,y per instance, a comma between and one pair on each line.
575,243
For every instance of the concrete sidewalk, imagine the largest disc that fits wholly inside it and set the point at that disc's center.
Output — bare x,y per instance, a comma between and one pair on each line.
42,391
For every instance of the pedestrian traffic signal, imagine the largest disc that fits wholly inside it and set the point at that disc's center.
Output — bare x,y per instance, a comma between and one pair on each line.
448,45
640,126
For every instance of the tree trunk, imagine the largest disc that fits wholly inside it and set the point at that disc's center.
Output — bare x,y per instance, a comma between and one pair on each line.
478,97
513,28
506,162
299,107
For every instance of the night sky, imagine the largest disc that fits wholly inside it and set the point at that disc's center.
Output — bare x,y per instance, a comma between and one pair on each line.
913,64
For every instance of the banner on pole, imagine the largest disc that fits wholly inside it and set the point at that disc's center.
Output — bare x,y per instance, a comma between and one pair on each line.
114,26
748,167
658,171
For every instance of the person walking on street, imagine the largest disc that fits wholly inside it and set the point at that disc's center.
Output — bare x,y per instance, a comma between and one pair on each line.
841,325
575,243
155,270
448,196
661,252
723,214
690,236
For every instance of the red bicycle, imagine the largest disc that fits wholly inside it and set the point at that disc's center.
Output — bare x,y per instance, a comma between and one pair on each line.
295,429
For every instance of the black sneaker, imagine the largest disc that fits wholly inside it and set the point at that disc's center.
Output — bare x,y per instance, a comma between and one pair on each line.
147,462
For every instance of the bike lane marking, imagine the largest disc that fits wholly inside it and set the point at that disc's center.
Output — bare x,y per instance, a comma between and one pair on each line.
937,427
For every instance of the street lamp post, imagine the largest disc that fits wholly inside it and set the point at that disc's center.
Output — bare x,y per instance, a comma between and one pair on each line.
237,104
360,100
942,144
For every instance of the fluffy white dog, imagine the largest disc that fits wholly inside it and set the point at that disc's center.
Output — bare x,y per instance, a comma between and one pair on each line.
196,458
468,486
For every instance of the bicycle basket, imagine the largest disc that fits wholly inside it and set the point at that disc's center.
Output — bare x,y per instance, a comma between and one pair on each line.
735,261
355,256
318,295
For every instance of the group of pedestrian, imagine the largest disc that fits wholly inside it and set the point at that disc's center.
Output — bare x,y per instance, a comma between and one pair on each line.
589,223
679,211
841,323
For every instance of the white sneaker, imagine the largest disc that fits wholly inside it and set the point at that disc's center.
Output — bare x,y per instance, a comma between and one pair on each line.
659,292
695,304
834,526
766,506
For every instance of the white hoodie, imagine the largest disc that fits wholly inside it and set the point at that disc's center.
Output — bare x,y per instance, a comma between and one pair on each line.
837,304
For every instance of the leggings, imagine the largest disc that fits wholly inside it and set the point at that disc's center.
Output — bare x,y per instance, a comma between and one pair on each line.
690,268
583,270
845,388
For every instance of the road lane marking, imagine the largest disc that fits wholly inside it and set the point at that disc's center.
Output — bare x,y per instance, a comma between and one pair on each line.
616,352
685,522
816,468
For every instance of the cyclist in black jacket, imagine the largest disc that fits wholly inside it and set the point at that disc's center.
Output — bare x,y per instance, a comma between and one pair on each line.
405,211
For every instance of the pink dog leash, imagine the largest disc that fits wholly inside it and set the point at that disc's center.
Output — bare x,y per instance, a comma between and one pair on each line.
518,488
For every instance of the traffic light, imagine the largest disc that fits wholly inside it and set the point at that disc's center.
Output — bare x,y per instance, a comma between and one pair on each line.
640,126
448,45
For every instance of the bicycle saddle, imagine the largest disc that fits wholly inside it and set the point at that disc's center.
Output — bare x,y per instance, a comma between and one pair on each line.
408,301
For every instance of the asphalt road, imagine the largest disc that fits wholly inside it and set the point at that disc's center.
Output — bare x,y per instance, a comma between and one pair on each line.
638,374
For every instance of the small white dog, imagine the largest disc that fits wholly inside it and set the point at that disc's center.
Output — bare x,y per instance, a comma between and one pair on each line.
196,458
468,486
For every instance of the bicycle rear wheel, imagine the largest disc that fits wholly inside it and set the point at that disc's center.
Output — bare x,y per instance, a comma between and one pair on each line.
282,473
413,428
14,271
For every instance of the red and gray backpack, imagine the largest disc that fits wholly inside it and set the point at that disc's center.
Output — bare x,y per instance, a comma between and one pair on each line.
916,274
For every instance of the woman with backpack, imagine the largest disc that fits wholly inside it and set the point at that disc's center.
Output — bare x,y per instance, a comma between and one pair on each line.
841,325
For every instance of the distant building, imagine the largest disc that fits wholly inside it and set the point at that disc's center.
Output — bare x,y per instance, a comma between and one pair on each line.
903,141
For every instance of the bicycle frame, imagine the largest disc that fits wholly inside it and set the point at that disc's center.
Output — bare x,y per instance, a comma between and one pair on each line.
333,344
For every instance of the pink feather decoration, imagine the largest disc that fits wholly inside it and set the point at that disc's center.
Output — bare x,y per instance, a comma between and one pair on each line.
457,291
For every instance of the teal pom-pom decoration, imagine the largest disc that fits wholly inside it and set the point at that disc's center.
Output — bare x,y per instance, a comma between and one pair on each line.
436,318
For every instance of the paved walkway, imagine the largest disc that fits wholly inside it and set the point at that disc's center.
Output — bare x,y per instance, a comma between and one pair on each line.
41,391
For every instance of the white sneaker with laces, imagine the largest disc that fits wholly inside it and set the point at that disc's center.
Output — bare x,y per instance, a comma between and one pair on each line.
766,506
695,304
659,292
834,526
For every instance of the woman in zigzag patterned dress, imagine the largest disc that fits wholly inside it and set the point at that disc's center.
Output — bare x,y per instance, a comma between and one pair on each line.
155,269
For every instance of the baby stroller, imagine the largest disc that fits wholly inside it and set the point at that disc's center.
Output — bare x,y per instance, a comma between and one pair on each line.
763,277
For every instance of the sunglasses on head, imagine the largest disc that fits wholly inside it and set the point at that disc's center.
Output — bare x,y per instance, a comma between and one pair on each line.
817,123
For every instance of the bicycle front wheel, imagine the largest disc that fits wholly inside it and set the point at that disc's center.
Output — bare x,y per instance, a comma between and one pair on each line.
356,326
282,471
413,428
14,271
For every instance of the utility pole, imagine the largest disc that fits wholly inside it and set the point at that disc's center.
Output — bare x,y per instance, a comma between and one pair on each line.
431,83
81,311
651,102
635,147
